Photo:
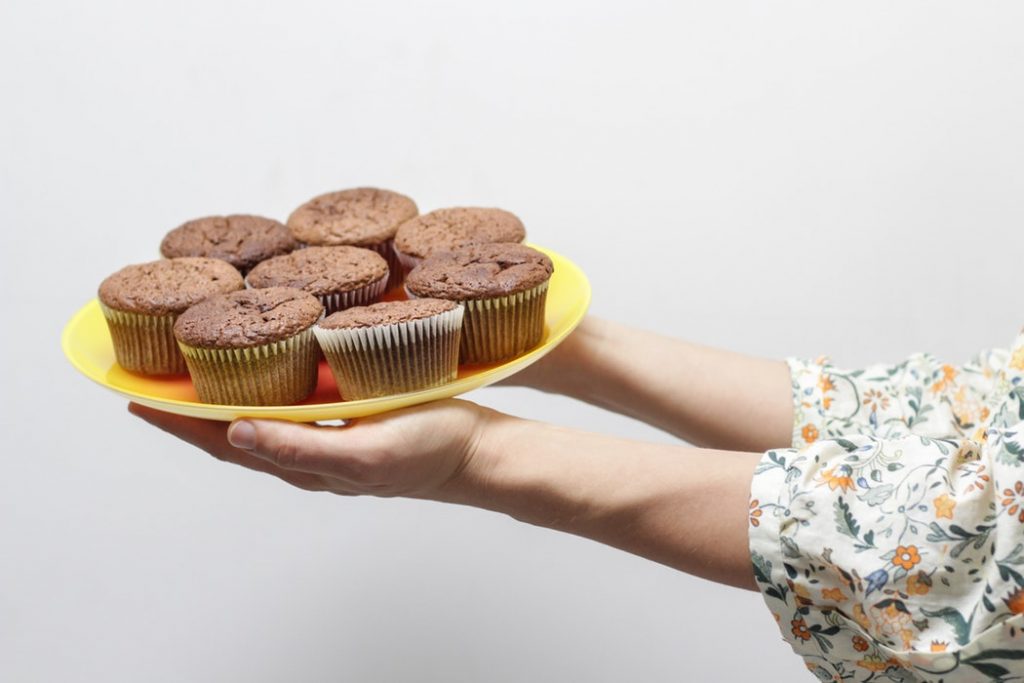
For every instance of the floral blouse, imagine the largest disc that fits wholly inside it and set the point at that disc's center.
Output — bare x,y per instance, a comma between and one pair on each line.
889,541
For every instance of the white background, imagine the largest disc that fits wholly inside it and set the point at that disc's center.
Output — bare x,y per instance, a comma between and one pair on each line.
780,178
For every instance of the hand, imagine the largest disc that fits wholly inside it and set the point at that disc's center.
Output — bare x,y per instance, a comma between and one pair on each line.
679,506
414,452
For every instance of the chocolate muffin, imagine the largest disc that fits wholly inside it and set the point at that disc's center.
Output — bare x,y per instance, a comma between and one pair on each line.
447,229
340,276
141,302
252,347
504,289
362,217
392,347
241,240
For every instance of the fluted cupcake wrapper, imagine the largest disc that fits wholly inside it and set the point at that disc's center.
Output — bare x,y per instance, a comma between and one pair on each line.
396,271
500,328
144,343
278,373
363,296
406,261
503,327
393,359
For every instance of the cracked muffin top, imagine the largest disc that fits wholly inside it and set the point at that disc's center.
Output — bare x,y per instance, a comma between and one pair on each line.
480,271
446,229
168,286
321,270
241,240
250,317
362,216
387,313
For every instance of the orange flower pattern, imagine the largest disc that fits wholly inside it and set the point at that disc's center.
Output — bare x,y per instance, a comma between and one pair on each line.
800,629
810,433
944,506
890,537
906,556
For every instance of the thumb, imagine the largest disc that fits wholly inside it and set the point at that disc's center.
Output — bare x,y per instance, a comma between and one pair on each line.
300,447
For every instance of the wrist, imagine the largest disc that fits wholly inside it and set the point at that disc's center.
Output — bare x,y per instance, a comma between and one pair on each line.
530,471
481,461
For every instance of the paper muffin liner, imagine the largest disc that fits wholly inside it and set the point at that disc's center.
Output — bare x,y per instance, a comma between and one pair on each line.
278,373
396,271
396,358
144,343
503,327
362,296
406,261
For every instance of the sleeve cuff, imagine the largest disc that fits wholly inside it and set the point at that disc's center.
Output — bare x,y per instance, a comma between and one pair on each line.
811,384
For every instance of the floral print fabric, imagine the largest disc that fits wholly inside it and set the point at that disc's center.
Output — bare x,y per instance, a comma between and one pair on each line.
889,541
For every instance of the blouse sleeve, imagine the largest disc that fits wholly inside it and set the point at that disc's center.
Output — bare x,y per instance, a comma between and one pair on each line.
919,395
889,541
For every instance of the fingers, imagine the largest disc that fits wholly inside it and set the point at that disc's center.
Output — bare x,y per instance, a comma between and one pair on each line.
304,448
211,436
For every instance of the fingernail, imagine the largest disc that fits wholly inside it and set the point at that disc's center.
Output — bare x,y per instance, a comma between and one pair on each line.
242,434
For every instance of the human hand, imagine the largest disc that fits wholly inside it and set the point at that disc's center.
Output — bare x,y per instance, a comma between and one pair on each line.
416,452
680,506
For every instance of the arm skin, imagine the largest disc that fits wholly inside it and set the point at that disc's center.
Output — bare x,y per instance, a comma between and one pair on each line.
672,504
708,397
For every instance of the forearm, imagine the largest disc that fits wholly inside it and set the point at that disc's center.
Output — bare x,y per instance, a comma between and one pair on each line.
671,504
707,396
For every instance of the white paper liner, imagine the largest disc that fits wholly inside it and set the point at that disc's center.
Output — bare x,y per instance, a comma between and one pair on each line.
503,327
144,343
407,262
363,296
278,373
393,359
396,271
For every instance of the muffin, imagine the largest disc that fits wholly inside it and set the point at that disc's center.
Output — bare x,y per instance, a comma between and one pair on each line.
392,347
254,347
141,302
447,229
503,287
363,217
341,277
241,240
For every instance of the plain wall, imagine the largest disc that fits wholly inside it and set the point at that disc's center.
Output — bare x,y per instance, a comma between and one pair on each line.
778,178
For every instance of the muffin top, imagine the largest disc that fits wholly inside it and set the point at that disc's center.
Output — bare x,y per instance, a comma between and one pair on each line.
387,313
241,240
361,217
168,286
249,317
321,270
447,229
479,271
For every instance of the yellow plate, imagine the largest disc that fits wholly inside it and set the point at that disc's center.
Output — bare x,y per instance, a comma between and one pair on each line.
86,343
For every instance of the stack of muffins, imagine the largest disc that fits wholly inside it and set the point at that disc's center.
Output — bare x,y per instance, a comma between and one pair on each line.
246,305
